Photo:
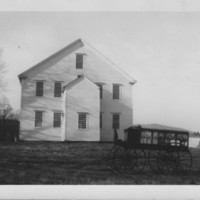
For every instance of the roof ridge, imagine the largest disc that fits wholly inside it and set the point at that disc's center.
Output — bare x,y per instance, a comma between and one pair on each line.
116,66
76,80
72,47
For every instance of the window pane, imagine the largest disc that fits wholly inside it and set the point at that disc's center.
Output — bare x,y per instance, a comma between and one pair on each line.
39,88
82,123
57,89
79,61
38,118
116,121
57,120
116,91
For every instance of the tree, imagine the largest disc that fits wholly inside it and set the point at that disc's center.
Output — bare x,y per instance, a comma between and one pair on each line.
5,108
15,114
2,73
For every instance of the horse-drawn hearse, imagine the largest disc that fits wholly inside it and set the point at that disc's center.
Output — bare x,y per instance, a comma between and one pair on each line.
164,150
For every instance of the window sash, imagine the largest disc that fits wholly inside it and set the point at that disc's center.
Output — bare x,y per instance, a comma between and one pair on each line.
116,91
82,120
57,119
57,89
39,88
79,61
38,118
116,121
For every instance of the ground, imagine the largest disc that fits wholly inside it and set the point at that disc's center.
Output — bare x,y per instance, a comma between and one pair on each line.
76,163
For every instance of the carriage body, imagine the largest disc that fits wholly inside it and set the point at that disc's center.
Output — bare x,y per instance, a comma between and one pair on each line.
156,138
164,150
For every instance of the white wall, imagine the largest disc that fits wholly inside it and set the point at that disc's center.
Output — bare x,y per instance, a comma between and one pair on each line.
100,70
48,103
82,97
62,68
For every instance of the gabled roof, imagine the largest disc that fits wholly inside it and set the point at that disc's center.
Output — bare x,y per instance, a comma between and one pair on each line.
68,50
75,81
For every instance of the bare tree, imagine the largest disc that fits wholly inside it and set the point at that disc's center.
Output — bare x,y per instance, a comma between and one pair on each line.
15,114
2,73
5,108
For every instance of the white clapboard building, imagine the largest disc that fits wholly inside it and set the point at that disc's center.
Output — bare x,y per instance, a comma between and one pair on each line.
77,94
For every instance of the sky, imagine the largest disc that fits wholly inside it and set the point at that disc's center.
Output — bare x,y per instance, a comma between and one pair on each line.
161,50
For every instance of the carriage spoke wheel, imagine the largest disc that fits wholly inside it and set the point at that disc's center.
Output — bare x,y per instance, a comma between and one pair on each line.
185,162
137,160
120,160
152,160
111,156
167,161
128,160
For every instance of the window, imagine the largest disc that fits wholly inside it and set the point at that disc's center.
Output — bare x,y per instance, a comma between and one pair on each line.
116,121
39,88
101,120
57,119
38,118
57,89
100,90
116,91
79,61
82,120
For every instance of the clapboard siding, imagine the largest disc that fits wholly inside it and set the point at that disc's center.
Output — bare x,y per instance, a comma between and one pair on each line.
62,67
82,97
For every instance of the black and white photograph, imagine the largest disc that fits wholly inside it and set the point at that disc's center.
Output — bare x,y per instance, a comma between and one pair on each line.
100,93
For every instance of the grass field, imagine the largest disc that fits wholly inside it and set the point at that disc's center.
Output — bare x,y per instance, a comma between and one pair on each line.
75,163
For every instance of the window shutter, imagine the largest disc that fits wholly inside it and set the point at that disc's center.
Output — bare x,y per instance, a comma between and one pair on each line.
116,121
38,118
100,90
82,120
101,120
57,119
39,88
116,91
57,89
79,61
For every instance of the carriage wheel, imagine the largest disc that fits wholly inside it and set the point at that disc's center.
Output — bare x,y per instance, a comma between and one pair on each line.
137,160
111,155
167,161
152,160
128,160
185,162
120,160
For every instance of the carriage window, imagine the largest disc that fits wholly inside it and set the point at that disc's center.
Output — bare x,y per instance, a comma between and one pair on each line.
82,121
39,88
57,89
116,121
38,118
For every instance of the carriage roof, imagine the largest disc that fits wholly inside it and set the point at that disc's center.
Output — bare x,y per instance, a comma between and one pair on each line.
157,128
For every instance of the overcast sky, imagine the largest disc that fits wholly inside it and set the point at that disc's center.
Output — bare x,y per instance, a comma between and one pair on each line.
161,50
